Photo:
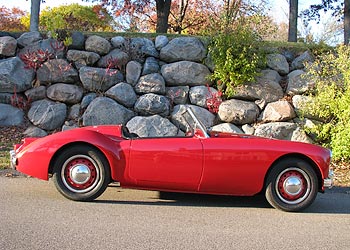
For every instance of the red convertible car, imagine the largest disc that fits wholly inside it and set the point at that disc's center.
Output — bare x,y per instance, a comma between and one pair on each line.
83,161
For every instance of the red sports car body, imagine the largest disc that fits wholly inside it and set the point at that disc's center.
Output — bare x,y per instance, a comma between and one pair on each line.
82,162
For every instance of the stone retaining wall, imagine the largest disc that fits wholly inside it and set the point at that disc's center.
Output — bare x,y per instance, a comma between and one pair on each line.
142,84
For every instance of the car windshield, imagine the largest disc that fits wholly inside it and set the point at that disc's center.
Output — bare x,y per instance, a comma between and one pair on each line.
193,123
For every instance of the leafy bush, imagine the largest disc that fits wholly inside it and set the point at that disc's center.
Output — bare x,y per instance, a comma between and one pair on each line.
331,75
236,56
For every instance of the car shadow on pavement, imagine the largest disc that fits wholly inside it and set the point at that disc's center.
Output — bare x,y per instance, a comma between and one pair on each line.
333,201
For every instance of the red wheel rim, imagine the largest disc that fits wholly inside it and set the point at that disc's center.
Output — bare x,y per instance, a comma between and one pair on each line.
293,185
80,173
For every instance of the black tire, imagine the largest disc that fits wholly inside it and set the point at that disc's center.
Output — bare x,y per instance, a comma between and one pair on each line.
291,185
81,173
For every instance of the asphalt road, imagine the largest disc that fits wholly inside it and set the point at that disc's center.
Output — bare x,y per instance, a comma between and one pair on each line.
33,215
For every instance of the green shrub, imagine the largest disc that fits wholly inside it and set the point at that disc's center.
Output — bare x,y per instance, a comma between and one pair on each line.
236,56
331,75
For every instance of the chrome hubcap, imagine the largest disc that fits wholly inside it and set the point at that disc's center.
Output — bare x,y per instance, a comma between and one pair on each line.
80,174
293,185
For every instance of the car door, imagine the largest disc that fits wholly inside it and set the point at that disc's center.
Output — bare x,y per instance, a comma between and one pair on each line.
167,163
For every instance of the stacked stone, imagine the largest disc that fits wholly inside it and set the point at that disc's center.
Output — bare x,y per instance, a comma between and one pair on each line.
143,84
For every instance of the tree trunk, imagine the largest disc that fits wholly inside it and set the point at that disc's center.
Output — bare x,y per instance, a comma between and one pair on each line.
293,21
163,11
346,21
34,15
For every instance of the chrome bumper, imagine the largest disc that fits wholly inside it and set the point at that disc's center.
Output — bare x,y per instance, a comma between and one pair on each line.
13,159
328,182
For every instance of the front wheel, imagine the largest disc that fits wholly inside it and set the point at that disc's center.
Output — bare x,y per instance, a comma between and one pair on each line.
291,185
81,173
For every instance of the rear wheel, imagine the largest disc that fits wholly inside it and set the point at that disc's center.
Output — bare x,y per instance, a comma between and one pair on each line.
81,173
291,185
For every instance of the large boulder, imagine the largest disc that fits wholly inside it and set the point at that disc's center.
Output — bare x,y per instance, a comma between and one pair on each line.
238,112
227,128
14,76
133,72
152,83
57,70
99,79
185,73
278,62
67,93
123,93
183,49
278,111
298,83
10,116
104,110
200,94
277,130
48,115
152,126
116,59
151,104
98,45
28,38
8,46
82,58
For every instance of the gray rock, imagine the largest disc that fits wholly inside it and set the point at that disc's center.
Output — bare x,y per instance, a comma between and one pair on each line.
150,66
97,44
248,129
99,79
278,111
78,40
300,61
8,46
33,131
57,70
227,128
161,41
185,73
202,114
123,93
238,112
270,74
118,42
47,114
152,83
74,112
68,125
50,47
178,95
183,49
103,110
10,116
298,83
152,126
278,62
277,130
87,99
36,93
67,93
133,72
200,94
116,59
14,76
262,89
152,104
29,38
143,47
82,58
